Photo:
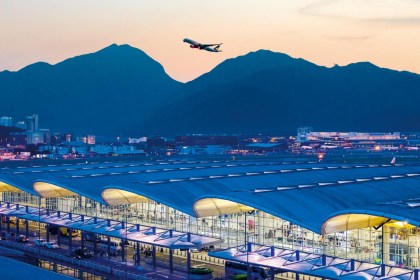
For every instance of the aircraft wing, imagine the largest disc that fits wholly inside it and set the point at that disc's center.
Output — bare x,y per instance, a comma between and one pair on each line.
210,45
209,49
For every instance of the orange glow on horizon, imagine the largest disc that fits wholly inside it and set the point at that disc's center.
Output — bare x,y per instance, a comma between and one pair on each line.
384,32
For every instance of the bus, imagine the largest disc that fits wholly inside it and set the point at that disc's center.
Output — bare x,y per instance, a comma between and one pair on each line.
114,247
257,272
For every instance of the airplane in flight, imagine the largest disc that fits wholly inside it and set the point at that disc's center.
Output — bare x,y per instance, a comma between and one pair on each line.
207,47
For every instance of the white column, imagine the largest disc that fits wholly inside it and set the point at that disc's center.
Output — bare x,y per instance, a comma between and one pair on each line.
385,242
260,225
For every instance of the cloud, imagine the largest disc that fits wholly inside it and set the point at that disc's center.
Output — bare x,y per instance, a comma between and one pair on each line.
324,9
350,38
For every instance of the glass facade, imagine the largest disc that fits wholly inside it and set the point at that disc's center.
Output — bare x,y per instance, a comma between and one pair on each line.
399,241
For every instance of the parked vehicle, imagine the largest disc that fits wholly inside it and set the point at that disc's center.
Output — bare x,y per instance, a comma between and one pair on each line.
22,238
40,242
51,245
91,236
3,235
83,253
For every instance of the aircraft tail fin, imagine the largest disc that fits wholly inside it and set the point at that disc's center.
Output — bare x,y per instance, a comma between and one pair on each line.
393,160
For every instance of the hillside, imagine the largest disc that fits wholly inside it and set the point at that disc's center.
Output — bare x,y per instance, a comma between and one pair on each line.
120,90
107,92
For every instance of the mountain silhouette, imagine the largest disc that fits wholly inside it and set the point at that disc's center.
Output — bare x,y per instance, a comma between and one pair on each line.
120,90
107,92
267,92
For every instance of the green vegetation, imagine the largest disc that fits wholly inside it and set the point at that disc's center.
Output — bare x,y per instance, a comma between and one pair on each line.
201,271
239,277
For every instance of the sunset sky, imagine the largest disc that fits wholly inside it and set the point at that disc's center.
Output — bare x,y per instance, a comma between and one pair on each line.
385,32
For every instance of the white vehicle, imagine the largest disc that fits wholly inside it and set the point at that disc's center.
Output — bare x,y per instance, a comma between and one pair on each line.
51,245
40,242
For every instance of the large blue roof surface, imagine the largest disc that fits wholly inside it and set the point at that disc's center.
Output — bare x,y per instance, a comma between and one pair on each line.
306,193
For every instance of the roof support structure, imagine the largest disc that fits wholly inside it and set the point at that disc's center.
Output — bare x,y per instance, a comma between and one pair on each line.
132,232
318,265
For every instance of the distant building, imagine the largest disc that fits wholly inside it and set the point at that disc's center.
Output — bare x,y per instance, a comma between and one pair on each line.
21,125
90,139
346,136
267,147
35,137
46,133
203,150
32,123
204,140
68,137
137,140
6,121
155,143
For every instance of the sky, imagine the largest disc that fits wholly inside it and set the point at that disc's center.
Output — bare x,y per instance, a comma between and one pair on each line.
326,32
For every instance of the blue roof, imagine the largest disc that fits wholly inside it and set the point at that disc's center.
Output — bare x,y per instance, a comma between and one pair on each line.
305,193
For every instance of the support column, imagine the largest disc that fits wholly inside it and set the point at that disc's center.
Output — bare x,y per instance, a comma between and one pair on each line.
95,243
248,266
27,228
171,260
109,245
260,225
188,254
137,259
123,256
82,239
171,255
167,218
7,223
17,226
48,232
272,253
385,244
58,236
297,259
70,231
154,256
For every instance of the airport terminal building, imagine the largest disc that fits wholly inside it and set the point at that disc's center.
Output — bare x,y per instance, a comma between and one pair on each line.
364,213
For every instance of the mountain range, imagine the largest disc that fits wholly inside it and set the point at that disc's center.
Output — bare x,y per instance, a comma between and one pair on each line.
120,90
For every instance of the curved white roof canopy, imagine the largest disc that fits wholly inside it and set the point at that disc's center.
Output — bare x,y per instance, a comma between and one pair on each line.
47,190
120,197
351,221
357,221
216,207
5,187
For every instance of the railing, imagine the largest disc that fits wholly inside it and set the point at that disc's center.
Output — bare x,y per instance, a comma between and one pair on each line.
86,264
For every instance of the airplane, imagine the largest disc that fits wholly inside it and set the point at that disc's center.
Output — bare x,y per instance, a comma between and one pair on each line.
207,47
